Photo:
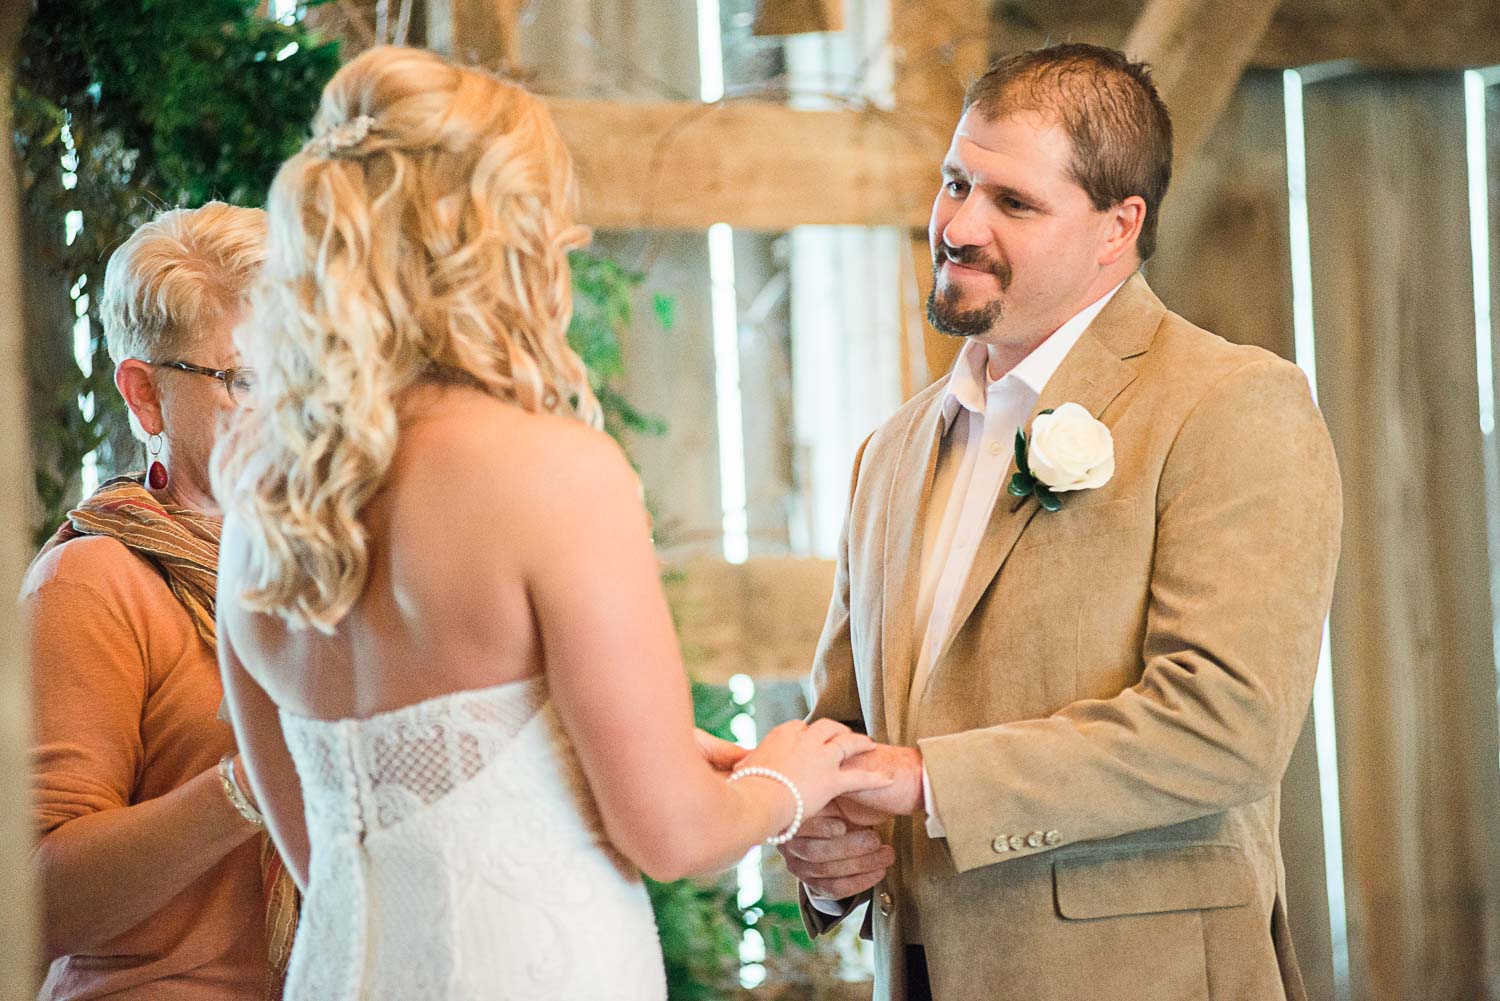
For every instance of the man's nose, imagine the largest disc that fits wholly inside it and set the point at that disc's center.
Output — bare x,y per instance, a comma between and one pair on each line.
965,228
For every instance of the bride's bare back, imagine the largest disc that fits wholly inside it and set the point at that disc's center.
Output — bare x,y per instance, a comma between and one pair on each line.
453,532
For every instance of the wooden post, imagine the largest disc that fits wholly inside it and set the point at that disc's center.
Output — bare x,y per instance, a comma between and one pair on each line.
18,942
940,48
482,32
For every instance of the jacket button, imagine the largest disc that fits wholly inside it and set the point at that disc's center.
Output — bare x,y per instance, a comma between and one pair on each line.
1001,844
1052,838
886,903
1034,839
1017,843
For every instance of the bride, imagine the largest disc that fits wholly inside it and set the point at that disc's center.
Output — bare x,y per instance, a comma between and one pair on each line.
446,652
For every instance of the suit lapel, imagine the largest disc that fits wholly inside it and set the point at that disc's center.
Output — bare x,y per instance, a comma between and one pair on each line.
1092,375
906,514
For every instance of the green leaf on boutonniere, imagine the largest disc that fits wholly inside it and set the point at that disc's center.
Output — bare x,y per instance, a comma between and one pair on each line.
1049,500
1021,465
1021,485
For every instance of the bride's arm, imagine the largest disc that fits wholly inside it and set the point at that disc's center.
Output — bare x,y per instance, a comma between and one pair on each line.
617,680
267,762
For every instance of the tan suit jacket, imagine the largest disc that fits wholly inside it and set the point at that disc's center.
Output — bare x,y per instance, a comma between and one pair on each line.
1108,724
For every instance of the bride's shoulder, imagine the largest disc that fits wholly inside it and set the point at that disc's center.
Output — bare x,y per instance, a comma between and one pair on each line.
512,456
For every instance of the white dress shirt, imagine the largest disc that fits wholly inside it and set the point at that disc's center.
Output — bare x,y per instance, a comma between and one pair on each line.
980,418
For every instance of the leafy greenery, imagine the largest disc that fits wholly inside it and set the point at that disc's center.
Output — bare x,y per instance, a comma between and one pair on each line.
124,107
121,109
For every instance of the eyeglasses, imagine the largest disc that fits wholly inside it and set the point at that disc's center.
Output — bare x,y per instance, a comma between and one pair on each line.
238,382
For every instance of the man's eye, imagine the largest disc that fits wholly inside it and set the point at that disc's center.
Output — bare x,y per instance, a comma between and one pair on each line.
1014,204
955,187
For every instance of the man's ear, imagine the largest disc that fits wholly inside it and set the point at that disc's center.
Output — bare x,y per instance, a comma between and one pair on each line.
1122,229
136,382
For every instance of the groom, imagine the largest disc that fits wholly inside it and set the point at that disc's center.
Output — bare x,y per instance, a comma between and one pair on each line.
1087,669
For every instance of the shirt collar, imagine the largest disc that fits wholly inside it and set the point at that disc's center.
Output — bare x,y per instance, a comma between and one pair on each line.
969,383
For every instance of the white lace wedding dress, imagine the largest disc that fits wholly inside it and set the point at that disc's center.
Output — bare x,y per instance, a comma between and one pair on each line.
457,854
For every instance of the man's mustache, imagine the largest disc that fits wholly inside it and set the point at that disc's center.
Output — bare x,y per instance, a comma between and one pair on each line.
972,257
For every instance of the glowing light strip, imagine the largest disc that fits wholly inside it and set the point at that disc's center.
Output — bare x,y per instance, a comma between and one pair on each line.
1305,348
1479,242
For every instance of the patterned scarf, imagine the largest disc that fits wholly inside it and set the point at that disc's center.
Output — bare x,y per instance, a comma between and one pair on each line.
184,546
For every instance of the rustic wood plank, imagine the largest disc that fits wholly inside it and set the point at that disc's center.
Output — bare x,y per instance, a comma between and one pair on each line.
482,32
939,51
1221,261
754,165
1437,34
761,618
1198,50
1223,245
19,944
916,333
797,17
669,374
1413,664
940,48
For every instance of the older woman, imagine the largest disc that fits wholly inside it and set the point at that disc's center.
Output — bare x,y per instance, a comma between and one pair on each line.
152,862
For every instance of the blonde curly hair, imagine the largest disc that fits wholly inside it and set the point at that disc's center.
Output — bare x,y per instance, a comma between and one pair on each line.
423,233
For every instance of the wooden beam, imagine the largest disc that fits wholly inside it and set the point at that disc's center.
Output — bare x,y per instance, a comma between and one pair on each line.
751,164
797,17
761,618
1198,50
1432,35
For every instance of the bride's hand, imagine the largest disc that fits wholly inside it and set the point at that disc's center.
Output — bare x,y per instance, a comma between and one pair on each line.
721,755
812,757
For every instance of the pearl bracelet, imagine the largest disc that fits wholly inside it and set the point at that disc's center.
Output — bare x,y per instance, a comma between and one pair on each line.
235,794
767,773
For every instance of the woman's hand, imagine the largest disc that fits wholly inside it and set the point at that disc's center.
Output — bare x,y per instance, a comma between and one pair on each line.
721,755
812,756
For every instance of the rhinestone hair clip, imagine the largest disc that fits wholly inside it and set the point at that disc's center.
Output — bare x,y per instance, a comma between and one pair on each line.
342,137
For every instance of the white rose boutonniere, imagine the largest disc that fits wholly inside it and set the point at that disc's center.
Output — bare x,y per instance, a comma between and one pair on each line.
1069,450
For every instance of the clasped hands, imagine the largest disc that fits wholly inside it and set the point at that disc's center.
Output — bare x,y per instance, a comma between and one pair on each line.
837,852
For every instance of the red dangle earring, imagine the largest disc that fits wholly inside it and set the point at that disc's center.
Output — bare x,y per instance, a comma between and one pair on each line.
156,476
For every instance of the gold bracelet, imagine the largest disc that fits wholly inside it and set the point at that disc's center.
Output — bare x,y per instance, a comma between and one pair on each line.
236,795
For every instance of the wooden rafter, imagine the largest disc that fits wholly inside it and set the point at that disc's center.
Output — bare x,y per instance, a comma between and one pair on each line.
1408,35
1198,50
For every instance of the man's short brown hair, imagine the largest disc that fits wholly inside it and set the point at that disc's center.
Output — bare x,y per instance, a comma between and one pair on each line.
1120,129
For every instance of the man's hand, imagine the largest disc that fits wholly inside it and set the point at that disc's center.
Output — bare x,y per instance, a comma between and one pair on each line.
834,858
901,797
721,755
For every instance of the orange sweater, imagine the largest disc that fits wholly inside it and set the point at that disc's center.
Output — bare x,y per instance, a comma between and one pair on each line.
126,703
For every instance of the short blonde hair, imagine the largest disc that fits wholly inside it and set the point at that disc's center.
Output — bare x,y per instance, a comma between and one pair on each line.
177,275
424,231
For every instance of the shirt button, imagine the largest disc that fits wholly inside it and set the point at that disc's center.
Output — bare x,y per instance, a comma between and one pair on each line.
996,448
887,904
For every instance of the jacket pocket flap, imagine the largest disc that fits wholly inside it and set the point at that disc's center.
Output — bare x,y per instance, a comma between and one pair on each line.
1191,878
